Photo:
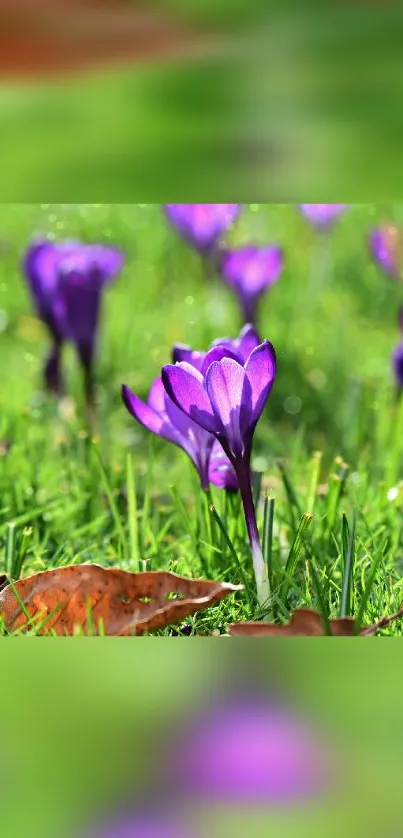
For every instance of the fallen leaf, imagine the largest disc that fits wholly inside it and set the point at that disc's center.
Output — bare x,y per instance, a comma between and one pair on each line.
83,595
303,623
44,38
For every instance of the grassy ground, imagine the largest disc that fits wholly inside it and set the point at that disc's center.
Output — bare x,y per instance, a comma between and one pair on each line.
65,497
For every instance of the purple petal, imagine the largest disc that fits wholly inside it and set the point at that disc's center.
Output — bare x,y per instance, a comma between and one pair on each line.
397,362
184,385
250,270
217,353
229,390
322,215
221,472
156,396
383,245
261,372
202,224
147,416
181,352
250,753
243,345
247,341
196,441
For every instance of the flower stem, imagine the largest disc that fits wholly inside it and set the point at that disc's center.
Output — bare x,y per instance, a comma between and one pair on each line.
259,565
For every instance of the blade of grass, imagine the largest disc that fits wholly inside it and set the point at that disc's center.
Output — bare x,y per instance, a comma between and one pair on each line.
348,535
234,554
293,555
132,511
368,587
267,537
111,501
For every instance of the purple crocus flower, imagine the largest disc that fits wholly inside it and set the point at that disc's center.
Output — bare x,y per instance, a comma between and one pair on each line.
202,225
66,280
322,216
226,398
249,751
250,271
240,347
386,250
162,417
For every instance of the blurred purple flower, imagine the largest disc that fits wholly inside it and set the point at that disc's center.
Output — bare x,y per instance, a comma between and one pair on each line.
397,357
66,280
249,752
162,417
202,225
384,248
250,271
226,397
322,216
397,362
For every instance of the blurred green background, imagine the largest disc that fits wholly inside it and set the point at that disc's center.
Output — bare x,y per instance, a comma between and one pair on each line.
267,101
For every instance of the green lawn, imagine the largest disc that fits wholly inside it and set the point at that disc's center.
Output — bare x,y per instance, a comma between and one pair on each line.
64,495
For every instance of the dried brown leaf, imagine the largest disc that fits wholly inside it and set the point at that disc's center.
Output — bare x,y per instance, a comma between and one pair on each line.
65,598
303,623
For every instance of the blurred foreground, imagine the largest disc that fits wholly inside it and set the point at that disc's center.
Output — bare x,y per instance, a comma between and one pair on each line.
174,100
92,749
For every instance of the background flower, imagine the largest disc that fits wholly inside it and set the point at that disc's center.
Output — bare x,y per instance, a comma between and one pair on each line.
250,271
202,225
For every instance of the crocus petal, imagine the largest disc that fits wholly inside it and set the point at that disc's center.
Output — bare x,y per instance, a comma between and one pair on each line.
250,270
322,215
261,372
156,396
384,247
108,260
201,224
147,416
397,361
243,345
230,393
182,352
221,472
217,353
248,341
184,385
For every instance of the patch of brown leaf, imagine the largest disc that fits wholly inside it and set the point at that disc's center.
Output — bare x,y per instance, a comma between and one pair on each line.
307,623
109,601
40,37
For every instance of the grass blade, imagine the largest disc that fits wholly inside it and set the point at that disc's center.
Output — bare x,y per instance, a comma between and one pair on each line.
267,539
348,555
132,512
293,555
233,552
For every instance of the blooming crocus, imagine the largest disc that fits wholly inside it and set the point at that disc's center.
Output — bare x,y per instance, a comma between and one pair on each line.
397,358
322,216
202,225
248,750
66,280
240,347
385,245
226,398
250,271
162,417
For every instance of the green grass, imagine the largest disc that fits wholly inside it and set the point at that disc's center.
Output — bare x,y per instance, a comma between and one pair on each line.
126,499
